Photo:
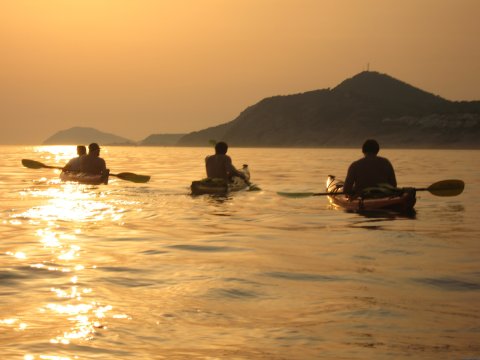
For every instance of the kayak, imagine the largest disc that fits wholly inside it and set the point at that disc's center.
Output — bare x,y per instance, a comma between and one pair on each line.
83,178
217,186
383,197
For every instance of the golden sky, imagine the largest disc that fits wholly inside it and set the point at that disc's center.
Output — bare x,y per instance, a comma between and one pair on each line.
138,67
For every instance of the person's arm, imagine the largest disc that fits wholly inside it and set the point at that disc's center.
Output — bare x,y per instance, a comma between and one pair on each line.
349,181
232,171
68,166
104,166
392,180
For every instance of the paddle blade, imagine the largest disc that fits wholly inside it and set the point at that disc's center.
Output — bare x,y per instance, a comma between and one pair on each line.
128,176
254,187
295,195
32,164
447,188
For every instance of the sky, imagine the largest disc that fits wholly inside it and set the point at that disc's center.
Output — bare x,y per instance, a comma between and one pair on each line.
141,67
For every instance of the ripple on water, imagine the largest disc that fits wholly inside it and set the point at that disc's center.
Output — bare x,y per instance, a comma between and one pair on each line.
449,284
206,248
120,269
22,273
302,276
232,293
86,350
130,282
154,252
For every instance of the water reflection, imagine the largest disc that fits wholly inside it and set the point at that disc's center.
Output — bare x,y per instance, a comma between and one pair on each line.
57,222
197,274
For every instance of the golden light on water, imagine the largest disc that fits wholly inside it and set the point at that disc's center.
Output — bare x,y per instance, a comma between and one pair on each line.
84,319
49,357
75,313
56,154
70,203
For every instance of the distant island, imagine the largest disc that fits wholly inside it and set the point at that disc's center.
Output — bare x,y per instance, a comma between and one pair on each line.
85,135
368,105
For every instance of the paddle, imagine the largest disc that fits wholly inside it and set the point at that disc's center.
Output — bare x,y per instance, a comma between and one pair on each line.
441,188
128,176
253,187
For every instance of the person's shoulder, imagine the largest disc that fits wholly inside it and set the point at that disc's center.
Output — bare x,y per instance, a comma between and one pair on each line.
357,162
384,159
221,156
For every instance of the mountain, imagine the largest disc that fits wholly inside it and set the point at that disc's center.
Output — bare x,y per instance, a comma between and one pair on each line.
368,105
85,135
161,140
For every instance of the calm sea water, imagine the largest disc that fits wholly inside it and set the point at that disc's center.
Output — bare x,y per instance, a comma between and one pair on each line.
146,271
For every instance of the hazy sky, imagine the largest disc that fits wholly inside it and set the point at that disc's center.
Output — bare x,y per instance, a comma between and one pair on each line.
138,67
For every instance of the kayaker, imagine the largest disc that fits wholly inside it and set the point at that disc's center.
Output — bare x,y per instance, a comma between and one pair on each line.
220,165
92,163
74,164
369,171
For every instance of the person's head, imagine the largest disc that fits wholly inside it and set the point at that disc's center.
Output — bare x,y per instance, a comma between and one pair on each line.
93,148
221,148
370,147
81,150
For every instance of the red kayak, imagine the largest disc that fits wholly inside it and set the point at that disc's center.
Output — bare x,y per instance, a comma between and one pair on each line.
377,198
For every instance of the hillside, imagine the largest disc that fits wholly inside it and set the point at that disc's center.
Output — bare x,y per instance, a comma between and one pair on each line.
85,135
367,105
161,140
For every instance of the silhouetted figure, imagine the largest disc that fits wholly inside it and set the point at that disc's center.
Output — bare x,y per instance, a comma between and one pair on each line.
369,171
220,165
92,163
74,164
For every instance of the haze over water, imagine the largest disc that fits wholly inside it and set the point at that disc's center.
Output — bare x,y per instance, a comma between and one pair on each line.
146,271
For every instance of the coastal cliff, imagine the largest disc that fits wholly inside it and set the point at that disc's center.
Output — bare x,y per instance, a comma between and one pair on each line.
368,105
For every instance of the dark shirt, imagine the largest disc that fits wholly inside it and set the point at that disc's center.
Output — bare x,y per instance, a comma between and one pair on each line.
73,164
220,166
94,165
367,172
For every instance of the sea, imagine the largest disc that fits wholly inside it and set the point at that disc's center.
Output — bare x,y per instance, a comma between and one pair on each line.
148,271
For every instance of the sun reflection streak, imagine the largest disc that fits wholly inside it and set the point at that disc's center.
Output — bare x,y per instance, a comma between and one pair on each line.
85,318
48,357
18,254
57,220
60,154
72,210
12,321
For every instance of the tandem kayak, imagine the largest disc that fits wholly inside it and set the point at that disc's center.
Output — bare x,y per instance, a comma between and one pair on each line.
220,186
376,198
83,178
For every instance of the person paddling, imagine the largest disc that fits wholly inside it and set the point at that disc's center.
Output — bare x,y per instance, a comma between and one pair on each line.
92,163
74,164
220,165
370,171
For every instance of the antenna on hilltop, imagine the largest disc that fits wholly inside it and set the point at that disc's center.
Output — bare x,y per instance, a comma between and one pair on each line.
368,66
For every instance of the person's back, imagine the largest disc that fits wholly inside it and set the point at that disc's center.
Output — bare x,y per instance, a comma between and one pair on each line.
92,163
369,171
220,165
74,164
